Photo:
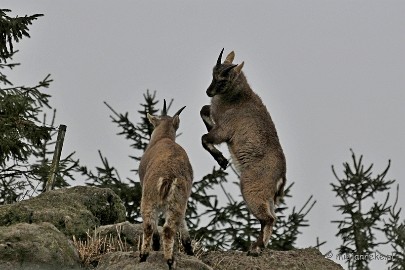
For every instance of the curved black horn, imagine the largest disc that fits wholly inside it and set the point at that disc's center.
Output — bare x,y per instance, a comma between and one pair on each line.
164,112
226,70
220,58
179,111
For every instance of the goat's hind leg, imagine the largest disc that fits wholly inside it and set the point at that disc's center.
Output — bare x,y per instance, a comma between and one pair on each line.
266,231
185,239
269,223
149,228
169,234
263,210
267,217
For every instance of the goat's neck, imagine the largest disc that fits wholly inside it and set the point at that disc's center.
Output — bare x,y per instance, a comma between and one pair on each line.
241,90
157,136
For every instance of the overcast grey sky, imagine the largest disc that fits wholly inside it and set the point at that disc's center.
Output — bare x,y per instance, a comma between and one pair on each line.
332,74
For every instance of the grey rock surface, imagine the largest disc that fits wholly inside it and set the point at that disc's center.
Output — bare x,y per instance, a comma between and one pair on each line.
73,211
155,261
36,246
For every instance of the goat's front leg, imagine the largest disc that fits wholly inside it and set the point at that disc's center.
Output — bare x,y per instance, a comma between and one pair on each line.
208,140
206,117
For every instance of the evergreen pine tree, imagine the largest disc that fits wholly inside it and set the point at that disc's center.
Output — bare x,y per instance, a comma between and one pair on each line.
128,190
25,138
364,214
394,230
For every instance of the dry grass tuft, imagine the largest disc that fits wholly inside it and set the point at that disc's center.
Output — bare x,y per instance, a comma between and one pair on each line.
198,248
91,249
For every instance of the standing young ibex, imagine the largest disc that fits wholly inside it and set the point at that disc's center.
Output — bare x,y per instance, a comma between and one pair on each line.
166,177
238,117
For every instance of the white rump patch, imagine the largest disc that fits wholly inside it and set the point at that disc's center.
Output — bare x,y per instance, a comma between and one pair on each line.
279,183
159,183
172,191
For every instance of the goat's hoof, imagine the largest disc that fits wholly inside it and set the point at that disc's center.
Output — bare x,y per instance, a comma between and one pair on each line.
143,257
188,248
171,263
223,162
254,252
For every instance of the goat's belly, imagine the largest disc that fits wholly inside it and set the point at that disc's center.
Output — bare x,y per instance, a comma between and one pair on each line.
235,160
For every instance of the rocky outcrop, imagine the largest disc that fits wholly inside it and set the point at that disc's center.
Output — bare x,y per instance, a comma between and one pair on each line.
72,210
36,246
155,261
37,233
309,258
129,233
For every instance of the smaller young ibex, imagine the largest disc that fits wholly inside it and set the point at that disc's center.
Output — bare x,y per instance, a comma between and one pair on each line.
238,117
166,178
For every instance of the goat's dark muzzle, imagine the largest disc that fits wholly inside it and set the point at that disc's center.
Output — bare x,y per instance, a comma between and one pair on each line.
210,91
210,94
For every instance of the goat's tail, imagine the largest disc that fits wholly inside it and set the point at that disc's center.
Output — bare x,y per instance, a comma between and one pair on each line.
167,186
164,187
280,190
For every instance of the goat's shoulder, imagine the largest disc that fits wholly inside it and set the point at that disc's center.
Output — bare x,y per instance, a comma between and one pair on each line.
250,108
165,149
167,159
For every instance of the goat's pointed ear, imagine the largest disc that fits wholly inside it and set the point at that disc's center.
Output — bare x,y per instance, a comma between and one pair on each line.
176,122
229,58
239,67
152,119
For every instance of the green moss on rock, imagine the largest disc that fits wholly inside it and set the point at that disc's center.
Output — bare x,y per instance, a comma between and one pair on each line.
73,211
